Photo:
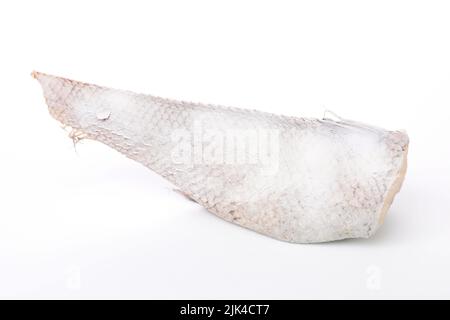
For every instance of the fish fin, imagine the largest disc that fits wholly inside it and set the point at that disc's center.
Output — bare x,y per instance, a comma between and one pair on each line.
333,114
184,195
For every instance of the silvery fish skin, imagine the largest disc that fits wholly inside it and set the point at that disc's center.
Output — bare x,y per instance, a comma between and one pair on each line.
294,179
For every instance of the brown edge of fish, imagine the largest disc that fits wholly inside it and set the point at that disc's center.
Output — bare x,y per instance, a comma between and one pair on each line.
395,187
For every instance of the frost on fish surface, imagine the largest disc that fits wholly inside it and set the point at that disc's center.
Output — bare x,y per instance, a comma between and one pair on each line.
295,179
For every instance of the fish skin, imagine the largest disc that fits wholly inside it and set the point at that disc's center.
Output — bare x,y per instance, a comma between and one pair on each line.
326,180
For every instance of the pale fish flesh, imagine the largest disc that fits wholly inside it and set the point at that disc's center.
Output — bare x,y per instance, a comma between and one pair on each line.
295,179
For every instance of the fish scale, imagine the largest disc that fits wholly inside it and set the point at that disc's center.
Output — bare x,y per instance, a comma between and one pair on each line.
295,179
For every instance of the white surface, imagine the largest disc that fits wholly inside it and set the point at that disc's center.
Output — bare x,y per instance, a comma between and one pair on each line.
97,225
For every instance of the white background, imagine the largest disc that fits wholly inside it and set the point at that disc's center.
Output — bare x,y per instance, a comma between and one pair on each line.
94,224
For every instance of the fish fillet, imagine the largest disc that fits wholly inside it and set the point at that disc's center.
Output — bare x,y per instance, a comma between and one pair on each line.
295,179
